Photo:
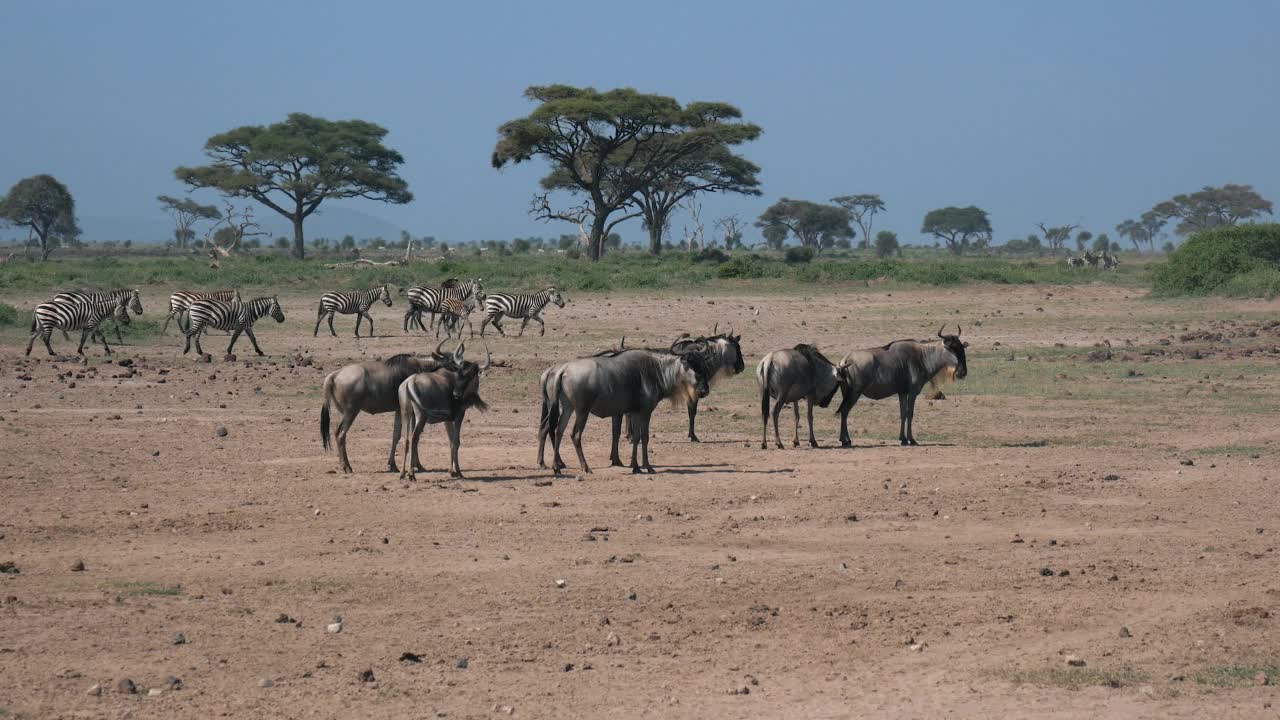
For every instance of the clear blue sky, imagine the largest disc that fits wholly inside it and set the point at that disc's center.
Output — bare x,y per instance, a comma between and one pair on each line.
1084,112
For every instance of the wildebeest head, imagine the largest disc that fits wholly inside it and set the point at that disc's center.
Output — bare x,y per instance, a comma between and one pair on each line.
956,347
276,312
554,296
385,297
466,389
698,369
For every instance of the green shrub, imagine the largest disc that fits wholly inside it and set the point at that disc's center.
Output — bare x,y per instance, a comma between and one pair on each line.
711,254
798,255
8,315
1206,263
745,267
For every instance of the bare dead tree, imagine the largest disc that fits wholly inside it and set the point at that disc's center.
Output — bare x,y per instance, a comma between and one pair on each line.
541,209
1056,237
697,234
730,227
239,223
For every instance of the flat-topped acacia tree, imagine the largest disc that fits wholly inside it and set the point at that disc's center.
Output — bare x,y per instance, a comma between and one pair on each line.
294,166
625,154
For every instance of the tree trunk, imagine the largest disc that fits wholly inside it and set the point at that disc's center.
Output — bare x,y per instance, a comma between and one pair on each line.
655,239
596,251
45,249
299,244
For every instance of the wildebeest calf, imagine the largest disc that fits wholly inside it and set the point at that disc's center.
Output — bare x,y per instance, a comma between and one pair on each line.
440,396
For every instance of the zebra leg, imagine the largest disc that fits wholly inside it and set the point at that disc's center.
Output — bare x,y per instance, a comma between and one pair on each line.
497,326
368,315
542,326
524,322
614,459
359,319
187,333
319,318
119,337
332,332
167,318
83,334
196,334
32,341
253,339
234,337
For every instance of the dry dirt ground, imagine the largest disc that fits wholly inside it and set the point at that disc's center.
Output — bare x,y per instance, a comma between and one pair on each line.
1118,514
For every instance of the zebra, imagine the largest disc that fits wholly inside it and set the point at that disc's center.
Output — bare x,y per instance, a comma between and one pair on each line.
356,302
85,317
427,299
236,316
454,311
1110,262
132,297
1075,262
525,307
180,300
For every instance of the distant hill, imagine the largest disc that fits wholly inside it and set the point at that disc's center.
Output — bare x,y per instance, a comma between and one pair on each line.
329,222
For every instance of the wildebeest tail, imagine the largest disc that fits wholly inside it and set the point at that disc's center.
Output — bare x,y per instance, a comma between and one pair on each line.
324,412
551,404
762,379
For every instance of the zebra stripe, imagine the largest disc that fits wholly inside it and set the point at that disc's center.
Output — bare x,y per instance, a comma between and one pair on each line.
351,303
85,317
132,297
236,316
454,311
180,300
525,307
424,299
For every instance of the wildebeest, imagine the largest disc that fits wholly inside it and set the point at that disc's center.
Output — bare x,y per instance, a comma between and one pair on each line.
792,375
372,387
440,396
724,359
901,368
629,383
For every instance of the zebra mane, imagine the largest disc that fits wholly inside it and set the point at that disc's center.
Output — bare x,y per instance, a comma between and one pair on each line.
451,283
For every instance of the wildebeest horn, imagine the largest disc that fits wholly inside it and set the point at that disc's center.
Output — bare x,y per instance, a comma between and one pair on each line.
944,327
488,359
716,328
958,330
622,344
844,362
458,352
440,347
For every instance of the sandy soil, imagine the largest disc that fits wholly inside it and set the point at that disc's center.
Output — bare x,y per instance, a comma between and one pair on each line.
1049,516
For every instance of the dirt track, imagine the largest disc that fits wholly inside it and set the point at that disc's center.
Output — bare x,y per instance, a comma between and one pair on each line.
875,582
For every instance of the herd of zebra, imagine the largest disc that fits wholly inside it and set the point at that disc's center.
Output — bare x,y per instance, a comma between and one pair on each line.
1103,261
196,312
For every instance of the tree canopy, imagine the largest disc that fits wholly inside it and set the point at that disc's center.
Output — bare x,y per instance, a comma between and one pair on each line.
1056,237
186,213
616,149
45,206
959,227
1213,207
295,165
862,209
814,225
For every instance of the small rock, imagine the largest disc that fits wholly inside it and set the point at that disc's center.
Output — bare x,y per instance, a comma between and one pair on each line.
560,583
283,618
127,687
631,595
410,657
179,639
229,357
173,683
1188,462
77,566
94,691
366,676
1016,538
220,432
568,667
1046,572
461,663
266,683
9,568
1124,632
153,692
333,628
917,647
612,640
1074,661
1261,678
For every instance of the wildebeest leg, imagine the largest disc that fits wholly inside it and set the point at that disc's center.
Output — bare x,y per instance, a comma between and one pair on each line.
634,423
911,417
764,417
348,417
331,330
579,424
902,418
411,448
846,406
524,322
557,462
395,444
693,413
644,439
454,430
813,441
777,410
614,459
253,339
796,406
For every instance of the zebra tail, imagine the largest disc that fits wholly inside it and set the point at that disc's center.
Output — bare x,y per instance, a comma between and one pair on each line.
324,413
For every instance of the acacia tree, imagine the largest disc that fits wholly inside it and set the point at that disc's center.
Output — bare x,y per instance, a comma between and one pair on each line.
815,225
607,148
958,227
1143,230
1212,207
294,166
862,209
1056,236
45,207
1082,240
186,213
775,236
